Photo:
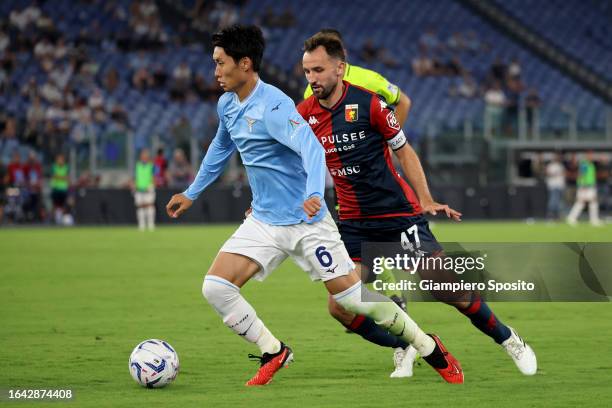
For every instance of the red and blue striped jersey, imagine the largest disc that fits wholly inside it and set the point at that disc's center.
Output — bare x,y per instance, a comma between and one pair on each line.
356,134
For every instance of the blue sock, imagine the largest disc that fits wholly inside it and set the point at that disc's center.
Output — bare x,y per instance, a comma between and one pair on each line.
370,331
483,318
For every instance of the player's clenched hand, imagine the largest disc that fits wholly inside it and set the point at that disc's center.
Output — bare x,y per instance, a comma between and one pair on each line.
433,208
180,202
312,206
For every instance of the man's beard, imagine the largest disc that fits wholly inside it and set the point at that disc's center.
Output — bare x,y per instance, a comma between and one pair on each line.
326,93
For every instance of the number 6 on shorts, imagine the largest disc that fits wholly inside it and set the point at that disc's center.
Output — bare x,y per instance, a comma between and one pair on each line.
324,257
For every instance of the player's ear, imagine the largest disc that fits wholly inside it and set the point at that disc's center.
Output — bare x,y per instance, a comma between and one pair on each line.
245,63
341,67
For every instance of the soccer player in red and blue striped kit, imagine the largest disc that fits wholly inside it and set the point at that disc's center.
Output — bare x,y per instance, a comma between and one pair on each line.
356,128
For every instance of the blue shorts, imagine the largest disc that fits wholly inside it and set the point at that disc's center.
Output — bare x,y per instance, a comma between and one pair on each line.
387,230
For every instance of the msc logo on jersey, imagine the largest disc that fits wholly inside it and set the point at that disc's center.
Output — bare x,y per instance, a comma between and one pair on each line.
312,121
345,171
392,121
351,113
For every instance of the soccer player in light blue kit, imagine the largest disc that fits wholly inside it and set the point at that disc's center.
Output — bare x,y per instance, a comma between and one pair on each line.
286,169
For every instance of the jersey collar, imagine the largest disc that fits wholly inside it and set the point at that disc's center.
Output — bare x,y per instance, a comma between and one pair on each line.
244,102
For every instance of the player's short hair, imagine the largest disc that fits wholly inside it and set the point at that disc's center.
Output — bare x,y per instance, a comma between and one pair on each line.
332,32
239,41
333,46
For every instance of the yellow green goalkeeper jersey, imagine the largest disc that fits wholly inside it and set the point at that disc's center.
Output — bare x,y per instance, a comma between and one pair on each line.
370,80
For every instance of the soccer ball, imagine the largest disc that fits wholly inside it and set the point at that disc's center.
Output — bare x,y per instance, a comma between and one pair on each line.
154,363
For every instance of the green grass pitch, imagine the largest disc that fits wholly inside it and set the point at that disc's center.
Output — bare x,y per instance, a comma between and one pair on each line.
74,302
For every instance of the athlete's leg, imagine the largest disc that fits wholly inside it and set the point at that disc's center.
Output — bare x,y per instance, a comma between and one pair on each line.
363,325
228,273
347,291
577,208
470,304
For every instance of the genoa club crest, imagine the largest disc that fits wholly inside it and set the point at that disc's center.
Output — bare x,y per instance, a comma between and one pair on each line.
351,113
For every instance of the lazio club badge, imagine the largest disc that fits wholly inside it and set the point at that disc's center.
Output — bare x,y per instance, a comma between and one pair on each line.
351,113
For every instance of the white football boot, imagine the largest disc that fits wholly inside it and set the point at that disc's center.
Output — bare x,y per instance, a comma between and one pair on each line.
521,353
403,359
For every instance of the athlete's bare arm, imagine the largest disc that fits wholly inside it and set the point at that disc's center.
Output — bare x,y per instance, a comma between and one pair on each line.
411,166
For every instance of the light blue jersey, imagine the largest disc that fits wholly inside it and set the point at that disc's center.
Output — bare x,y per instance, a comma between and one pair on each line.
284,161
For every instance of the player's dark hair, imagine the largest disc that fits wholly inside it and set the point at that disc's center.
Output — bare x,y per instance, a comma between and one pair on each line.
239,41
333,46
331,31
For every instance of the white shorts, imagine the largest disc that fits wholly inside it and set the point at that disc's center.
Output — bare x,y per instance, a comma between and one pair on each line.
586,194
142,198
316,248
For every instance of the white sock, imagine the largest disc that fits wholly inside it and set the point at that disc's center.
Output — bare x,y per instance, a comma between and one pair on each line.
267,343
150,215
386,314
238,314
140,215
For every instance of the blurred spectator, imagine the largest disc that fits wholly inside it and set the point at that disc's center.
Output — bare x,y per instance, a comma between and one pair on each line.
16,172
181,81
111,80
141,77
160,169
456,42
87,180
119,115
369,52
472,42
555,183
453,67
61,49
422,65
50,92
497,72
179,171
514,89
82,132
495,100
181,133
59,183
467,87
8,138
96,104
429,40
159,76
80,111
44,49
33,208
30,89
532,103
5,41
514,69
21,19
